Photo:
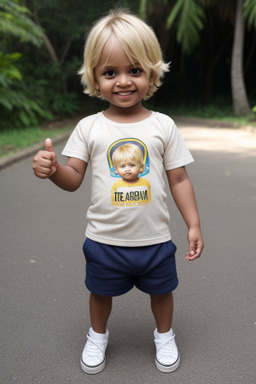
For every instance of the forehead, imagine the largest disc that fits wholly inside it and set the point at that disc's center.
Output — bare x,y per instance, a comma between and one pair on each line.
123,163
113,54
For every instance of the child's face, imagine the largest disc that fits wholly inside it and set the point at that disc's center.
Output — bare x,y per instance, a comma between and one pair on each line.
129,171
121,83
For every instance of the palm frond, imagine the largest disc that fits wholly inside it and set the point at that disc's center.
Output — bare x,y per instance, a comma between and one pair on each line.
250,12
188,15
143,8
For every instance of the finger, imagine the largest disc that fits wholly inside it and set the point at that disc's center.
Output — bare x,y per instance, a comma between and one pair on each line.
194,254
48,145
191,257
192,248
50,150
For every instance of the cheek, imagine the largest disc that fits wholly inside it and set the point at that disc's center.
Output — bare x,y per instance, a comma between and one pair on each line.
119,171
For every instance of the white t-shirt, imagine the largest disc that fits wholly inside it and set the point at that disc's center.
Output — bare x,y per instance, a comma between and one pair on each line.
139,214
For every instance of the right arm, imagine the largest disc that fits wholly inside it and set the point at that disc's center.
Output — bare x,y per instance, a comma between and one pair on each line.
68,177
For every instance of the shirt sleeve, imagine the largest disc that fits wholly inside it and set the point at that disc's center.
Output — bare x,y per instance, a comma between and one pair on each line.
176,153
76,145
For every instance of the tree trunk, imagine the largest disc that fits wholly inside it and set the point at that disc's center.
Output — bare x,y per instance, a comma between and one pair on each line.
50,49
240,101
47,43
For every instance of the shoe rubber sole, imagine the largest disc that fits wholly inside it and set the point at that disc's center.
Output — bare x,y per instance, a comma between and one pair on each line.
92,370
168,368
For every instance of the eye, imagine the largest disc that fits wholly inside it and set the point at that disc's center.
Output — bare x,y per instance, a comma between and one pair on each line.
135,71
110,74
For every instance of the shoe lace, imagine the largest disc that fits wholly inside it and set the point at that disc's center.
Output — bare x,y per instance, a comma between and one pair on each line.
93,347
167,346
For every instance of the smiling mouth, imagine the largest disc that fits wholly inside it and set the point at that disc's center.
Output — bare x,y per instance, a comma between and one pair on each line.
127,93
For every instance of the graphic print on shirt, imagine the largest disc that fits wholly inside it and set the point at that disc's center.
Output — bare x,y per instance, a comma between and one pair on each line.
128,161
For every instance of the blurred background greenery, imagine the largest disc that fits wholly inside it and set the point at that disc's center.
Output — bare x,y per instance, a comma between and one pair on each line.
211,45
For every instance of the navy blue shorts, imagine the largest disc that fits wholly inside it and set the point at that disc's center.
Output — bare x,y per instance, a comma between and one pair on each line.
113,271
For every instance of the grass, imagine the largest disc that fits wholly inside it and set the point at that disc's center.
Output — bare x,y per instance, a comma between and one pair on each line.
14,140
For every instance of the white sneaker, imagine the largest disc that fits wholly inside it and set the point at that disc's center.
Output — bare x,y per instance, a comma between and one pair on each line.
93,358
167,355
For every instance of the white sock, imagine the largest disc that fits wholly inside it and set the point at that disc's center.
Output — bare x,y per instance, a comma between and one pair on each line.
98,336
164,335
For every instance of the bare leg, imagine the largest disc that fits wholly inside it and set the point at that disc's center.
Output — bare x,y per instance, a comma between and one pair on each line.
100,309
162,308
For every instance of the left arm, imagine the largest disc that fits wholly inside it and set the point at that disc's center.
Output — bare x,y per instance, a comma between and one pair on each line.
184,197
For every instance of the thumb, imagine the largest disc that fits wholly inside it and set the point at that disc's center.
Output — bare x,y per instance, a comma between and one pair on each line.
191,250
48,145
49,148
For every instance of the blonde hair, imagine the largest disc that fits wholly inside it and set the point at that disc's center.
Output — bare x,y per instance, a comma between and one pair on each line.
128,152
138,41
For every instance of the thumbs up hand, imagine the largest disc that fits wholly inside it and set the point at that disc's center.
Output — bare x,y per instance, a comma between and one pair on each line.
45,162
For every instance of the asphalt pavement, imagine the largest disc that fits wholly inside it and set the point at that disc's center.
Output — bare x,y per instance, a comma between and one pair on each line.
44,303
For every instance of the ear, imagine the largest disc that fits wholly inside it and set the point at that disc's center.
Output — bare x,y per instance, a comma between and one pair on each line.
152,79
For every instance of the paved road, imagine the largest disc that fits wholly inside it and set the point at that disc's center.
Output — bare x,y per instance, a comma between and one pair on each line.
44,305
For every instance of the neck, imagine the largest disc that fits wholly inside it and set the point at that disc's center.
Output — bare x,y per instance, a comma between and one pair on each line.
127,115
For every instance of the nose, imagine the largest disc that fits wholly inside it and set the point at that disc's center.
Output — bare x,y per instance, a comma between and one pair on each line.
123,80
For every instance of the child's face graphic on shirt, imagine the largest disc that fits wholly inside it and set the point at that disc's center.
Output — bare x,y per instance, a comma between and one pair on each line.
129,171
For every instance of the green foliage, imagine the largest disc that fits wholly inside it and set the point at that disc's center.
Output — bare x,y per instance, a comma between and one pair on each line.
68,103
143,9
36,87
45,84
9,74
38,97
15,106
8,71
250,13
189,15
20,110
15,21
